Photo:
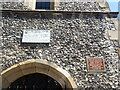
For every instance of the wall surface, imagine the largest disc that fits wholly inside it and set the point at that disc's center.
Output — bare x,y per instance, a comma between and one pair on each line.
73,38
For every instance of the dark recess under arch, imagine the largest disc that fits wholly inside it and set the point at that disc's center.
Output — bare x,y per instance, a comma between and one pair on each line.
35,81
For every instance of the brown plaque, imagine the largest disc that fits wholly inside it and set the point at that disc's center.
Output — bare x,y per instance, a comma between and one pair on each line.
95,64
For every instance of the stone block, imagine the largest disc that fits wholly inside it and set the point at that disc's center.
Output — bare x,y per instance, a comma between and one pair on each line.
113,34
27,67
8,74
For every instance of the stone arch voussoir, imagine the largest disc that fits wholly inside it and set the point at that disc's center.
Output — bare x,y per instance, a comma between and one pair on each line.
37,66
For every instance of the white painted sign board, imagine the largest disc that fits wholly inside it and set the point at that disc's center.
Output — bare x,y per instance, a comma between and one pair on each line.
36,36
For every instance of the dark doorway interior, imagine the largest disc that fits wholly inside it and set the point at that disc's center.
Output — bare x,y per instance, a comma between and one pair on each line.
35,81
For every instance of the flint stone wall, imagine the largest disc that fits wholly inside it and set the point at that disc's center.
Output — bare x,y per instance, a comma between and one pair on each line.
73,38
66,6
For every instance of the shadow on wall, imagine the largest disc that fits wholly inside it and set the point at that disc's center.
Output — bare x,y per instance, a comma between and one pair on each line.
119,10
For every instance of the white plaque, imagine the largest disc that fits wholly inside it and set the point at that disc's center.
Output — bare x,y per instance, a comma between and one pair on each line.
36,36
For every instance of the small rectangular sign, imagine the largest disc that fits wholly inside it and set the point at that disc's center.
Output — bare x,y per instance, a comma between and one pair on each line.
95,64
36,36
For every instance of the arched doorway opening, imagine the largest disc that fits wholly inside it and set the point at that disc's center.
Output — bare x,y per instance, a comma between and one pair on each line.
31,66
35,81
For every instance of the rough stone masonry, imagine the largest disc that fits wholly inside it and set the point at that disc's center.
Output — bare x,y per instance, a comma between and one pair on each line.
73,38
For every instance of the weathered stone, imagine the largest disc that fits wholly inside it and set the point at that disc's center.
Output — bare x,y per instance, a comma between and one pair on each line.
73,38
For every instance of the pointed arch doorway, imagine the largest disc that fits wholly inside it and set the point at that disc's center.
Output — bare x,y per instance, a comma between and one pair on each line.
35,81
36,67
